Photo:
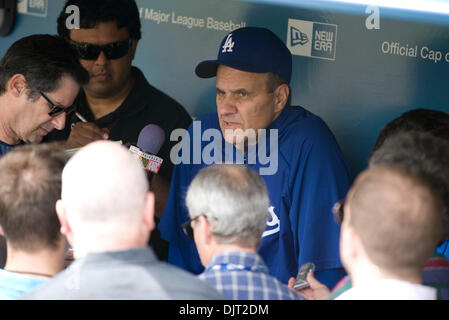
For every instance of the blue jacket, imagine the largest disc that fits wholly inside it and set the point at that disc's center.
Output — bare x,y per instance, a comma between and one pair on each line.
311,176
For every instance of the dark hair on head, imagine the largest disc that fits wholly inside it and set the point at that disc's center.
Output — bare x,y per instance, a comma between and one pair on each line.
426,120
92,12
43,60
30,185
275,81
441,132
424,155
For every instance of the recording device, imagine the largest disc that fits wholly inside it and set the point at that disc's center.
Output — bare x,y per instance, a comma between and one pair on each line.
8,14
150,140
301,282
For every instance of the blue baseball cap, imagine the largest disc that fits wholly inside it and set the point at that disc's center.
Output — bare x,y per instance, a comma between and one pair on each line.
250,49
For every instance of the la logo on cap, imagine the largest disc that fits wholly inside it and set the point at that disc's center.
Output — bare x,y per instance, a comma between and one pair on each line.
229,44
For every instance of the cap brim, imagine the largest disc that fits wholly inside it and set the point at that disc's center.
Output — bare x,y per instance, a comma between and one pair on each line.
207,69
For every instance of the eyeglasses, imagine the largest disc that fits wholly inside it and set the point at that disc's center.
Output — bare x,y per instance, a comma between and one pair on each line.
116,50
56,110
187,227
338,211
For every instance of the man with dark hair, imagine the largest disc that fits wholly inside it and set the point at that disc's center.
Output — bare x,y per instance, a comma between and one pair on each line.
426,120
30,185
40,77
118,102
293,149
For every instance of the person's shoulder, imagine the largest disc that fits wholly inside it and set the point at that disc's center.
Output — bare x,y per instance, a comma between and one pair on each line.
147,101
206,121
157,95
208,117
168,103
302,126
282,290
14,285
50,289
303,122
181,284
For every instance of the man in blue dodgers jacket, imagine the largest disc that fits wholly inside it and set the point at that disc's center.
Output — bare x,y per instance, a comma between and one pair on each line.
296,154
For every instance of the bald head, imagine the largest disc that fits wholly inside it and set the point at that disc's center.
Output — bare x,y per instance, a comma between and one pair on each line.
396,216
104,184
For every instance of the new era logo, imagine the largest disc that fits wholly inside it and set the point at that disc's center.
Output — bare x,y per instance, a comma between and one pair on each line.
297,37
33,7
312,39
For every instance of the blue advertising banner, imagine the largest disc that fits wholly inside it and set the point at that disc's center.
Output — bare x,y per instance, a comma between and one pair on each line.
356,65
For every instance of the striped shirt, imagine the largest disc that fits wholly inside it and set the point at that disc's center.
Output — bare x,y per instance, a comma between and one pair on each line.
244,276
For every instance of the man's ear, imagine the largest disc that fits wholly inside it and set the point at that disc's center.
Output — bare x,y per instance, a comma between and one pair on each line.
353,244
204,230
148,212
134,48
66,229
17,85
281,94
1,231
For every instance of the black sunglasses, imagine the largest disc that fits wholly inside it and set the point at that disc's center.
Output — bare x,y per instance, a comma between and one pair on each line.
116,50
55,109
338,211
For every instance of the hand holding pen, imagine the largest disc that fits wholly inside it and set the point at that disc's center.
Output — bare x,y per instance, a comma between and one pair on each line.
85,132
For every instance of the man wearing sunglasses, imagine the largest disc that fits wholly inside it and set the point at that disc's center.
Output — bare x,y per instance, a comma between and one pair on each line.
118,102
38,85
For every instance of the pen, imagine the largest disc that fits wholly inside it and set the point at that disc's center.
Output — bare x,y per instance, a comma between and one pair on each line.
105,135
80,117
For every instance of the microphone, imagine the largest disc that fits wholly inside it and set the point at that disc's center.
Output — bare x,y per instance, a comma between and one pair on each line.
150,140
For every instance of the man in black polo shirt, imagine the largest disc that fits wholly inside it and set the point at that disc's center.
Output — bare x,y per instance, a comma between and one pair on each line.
118,101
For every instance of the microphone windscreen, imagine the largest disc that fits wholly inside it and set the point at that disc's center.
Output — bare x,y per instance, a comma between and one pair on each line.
151,138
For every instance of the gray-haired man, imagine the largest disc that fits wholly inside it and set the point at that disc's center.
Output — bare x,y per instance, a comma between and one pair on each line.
228,210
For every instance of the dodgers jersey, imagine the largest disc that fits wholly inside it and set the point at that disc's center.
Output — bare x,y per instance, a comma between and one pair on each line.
311,176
